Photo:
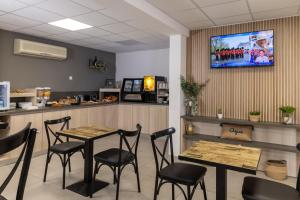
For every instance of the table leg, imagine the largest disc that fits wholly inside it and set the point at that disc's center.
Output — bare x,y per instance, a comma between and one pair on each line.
221,183
87,187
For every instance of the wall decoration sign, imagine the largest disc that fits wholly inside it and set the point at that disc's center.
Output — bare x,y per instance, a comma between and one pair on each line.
98,64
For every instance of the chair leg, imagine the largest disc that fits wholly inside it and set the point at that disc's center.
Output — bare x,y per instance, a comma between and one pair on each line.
202,185
155,188
115,180
95,170
173,192
137,175
118,183
189,192
69,162
64,172
46,166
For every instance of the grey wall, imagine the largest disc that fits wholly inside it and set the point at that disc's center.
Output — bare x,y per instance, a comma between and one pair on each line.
28,72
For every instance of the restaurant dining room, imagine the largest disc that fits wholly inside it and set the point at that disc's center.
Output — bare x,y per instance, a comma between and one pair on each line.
150,99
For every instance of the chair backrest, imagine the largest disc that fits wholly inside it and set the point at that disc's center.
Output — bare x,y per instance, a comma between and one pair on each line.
124,135
167,133
298,178
49,127
25,137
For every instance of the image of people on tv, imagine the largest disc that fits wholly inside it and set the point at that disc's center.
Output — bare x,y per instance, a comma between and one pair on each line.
242,50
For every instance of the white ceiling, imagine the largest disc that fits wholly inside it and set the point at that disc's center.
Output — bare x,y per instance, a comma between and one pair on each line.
115,21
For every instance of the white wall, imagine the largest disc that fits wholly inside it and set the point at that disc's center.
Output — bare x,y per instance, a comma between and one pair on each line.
140,63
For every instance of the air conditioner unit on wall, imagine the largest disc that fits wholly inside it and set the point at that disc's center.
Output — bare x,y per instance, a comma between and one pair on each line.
41,50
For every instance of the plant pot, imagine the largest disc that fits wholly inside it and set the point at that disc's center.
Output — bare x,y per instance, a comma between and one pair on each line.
288,119
220,115
254,118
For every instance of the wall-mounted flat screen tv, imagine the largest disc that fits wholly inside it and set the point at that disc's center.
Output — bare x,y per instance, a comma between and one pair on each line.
251,49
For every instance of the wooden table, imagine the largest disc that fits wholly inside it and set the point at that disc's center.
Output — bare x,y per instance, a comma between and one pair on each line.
87,134
223,157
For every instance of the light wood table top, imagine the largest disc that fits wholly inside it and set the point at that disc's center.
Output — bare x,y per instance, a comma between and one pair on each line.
235,157
88,132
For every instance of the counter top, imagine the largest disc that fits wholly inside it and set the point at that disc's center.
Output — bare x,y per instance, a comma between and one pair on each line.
240,121
20,111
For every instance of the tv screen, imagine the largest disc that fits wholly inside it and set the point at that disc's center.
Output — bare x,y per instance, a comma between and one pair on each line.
251,49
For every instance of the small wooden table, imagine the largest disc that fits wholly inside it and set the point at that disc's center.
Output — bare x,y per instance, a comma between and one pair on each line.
88,134
223,157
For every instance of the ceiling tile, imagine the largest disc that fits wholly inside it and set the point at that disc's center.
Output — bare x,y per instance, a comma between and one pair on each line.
31,2
227,10
115,38
233,20
97,4
118,28
63,7
17,20
258,5
94,40
38,14
96,32
31,31
10,5
136,34
68,36
271,14
49,29
189,15
95,19
8,27
172,5
205,3
198,24
122,12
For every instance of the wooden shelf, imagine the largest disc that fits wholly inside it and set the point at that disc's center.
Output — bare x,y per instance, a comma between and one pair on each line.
19,95
215,120
263,145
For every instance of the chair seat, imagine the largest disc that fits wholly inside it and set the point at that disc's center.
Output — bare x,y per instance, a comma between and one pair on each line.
111,157
262,189
2,198
67,147
183,173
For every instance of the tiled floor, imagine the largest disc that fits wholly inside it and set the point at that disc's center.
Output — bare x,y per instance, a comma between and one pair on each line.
51,190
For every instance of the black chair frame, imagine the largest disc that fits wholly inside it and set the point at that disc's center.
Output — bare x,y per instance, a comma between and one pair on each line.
132,149
25,137
65,160
160,165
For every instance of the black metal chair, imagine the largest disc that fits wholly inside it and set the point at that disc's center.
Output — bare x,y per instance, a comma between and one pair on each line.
63,149
175,173
25,137
261,189
118,158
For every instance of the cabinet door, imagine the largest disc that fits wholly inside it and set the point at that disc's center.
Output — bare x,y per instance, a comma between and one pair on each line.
125,117
158,118
140,115
79,117
111,116
18,122
96,116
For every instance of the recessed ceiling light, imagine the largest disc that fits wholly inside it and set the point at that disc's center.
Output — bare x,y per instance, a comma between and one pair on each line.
70,24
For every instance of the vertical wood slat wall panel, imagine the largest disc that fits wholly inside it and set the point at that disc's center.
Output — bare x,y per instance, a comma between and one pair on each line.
241,90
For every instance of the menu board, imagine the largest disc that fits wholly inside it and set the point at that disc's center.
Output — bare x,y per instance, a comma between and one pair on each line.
128,86
137,86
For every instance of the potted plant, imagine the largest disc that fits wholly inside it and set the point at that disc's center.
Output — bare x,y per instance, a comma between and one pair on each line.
254,116
191,91
287,114
220,113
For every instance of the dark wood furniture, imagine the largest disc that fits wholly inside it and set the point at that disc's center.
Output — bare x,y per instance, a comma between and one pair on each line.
25,137
88,186
118,158
261,189
175,173
223,157
63,149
